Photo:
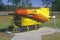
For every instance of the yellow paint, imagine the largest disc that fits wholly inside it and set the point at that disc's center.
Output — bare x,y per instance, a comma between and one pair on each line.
27,22
41,11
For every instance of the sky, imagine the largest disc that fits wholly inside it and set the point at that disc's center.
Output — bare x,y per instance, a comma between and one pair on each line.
35,3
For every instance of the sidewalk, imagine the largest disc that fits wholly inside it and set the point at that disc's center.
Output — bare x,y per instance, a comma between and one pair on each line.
34,35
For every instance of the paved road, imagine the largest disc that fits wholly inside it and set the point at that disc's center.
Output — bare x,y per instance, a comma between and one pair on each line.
5,13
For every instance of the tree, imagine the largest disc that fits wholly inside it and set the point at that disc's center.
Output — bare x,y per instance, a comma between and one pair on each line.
1,5
26,3
14,2
20,3
47,3
56,5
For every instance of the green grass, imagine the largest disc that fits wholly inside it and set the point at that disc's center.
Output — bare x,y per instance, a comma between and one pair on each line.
4,22
51,22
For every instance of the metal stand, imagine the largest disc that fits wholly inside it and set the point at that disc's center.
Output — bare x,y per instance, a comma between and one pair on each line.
54,19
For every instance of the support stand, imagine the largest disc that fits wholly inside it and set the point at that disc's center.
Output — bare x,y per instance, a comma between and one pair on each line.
54,19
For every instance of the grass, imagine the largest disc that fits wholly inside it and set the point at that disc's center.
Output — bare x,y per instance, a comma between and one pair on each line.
4,36
4,22
51,22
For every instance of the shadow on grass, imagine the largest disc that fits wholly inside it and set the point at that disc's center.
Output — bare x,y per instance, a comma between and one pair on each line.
6,29
20,29
2,30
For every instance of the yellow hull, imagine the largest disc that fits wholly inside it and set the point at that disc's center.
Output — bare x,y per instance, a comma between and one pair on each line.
41,11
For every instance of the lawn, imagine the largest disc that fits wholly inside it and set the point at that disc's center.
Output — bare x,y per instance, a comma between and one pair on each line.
4,22
55,36
51,22
4,36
